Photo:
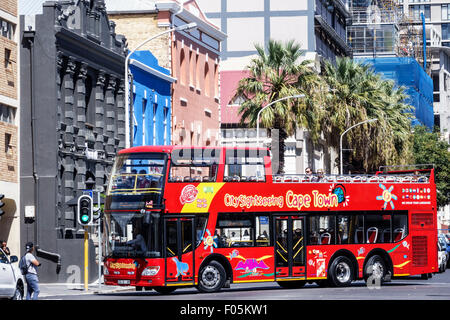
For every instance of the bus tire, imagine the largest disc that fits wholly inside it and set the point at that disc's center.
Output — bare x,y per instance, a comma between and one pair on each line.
341,272
292,284
164,290
212,277
375,270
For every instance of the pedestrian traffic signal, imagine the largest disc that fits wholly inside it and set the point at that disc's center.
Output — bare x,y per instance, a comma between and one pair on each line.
1,204
85,210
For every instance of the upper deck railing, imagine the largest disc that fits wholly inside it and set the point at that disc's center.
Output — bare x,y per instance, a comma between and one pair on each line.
365,178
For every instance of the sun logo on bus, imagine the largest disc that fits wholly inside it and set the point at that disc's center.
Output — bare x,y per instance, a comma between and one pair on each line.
387,196
208,241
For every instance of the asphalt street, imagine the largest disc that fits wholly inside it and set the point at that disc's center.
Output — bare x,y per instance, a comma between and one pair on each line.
437,288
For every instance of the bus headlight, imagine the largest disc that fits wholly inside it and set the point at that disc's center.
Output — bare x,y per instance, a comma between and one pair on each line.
150,271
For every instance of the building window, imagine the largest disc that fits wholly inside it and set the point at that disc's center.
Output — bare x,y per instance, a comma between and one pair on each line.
7,29
207,80
144,128
445,13
155,108
7,113
166,112
8,143
182,67
445,31
7,58
216,81
415,11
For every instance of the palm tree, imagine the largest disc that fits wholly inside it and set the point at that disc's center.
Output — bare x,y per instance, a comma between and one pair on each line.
275,74
356,93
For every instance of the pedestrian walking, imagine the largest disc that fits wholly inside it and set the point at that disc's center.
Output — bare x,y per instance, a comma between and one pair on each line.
31,276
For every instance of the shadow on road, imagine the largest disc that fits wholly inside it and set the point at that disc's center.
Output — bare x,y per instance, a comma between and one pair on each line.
273,287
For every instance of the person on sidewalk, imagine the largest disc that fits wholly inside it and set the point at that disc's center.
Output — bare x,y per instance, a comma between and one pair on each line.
5,248
31,276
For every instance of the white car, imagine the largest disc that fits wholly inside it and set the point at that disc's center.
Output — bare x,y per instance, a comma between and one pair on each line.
11,279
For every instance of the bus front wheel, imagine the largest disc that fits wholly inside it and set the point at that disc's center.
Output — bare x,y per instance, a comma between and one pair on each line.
212,277
341,272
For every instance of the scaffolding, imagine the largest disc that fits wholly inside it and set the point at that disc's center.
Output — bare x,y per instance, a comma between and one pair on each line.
374,29
407,72
392,41
382,28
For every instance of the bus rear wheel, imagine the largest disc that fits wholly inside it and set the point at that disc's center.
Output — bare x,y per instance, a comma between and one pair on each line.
375,271
212,277
341,272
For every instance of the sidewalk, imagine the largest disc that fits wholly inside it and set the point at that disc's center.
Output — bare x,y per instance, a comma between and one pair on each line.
68,289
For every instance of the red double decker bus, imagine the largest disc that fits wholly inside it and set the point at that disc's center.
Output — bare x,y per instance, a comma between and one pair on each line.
207,217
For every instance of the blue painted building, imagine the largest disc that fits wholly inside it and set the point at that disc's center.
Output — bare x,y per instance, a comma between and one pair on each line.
407,72
151,100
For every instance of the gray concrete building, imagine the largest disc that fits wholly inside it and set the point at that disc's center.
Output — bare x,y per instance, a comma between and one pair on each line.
72,124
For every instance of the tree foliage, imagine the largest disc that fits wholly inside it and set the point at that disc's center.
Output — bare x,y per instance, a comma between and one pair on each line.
355,94
428,148
346,93
274,74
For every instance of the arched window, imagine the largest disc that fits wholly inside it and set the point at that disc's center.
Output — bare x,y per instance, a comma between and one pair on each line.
182,74
207,80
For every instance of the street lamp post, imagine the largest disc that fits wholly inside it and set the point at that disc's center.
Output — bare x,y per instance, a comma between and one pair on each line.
127,85
340,140
273,102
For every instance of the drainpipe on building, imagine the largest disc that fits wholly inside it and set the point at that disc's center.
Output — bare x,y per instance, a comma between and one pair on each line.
172,105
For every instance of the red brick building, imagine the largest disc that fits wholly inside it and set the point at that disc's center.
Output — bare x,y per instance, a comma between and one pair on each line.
192,56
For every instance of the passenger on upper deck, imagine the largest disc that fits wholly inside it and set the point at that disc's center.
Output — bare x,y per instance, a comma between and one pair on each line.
309,173
417,177
319,176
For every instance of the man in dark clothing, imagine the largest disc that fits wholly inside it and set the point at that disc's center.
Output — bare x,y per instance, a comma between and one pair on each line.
31,275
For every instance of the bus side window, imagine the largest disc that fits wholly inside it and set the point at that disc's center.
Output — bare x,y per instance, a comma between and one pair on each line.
399,227
377,228
322,230
262,231
343,230
356,229
242,230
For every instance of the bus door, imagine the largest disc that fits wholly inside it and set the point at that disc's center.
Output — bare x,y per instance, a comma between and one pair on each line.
179,242
289,247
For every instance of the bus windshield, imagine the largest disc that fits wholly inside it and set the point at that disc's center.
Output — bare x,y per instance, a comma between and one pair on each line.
133,234
137,181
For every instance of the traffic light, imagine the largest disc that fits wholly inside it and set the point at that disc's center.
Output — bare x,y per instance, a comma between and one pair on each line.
85,210
1,204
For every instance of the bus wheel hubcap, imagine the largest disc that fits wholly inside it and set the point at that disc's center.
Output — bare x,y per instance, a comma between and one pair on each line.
377,270
210,276
343,272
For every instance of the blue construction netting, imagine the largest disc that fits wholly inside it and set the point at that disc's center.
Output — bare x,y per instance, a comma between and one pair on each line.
407,72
